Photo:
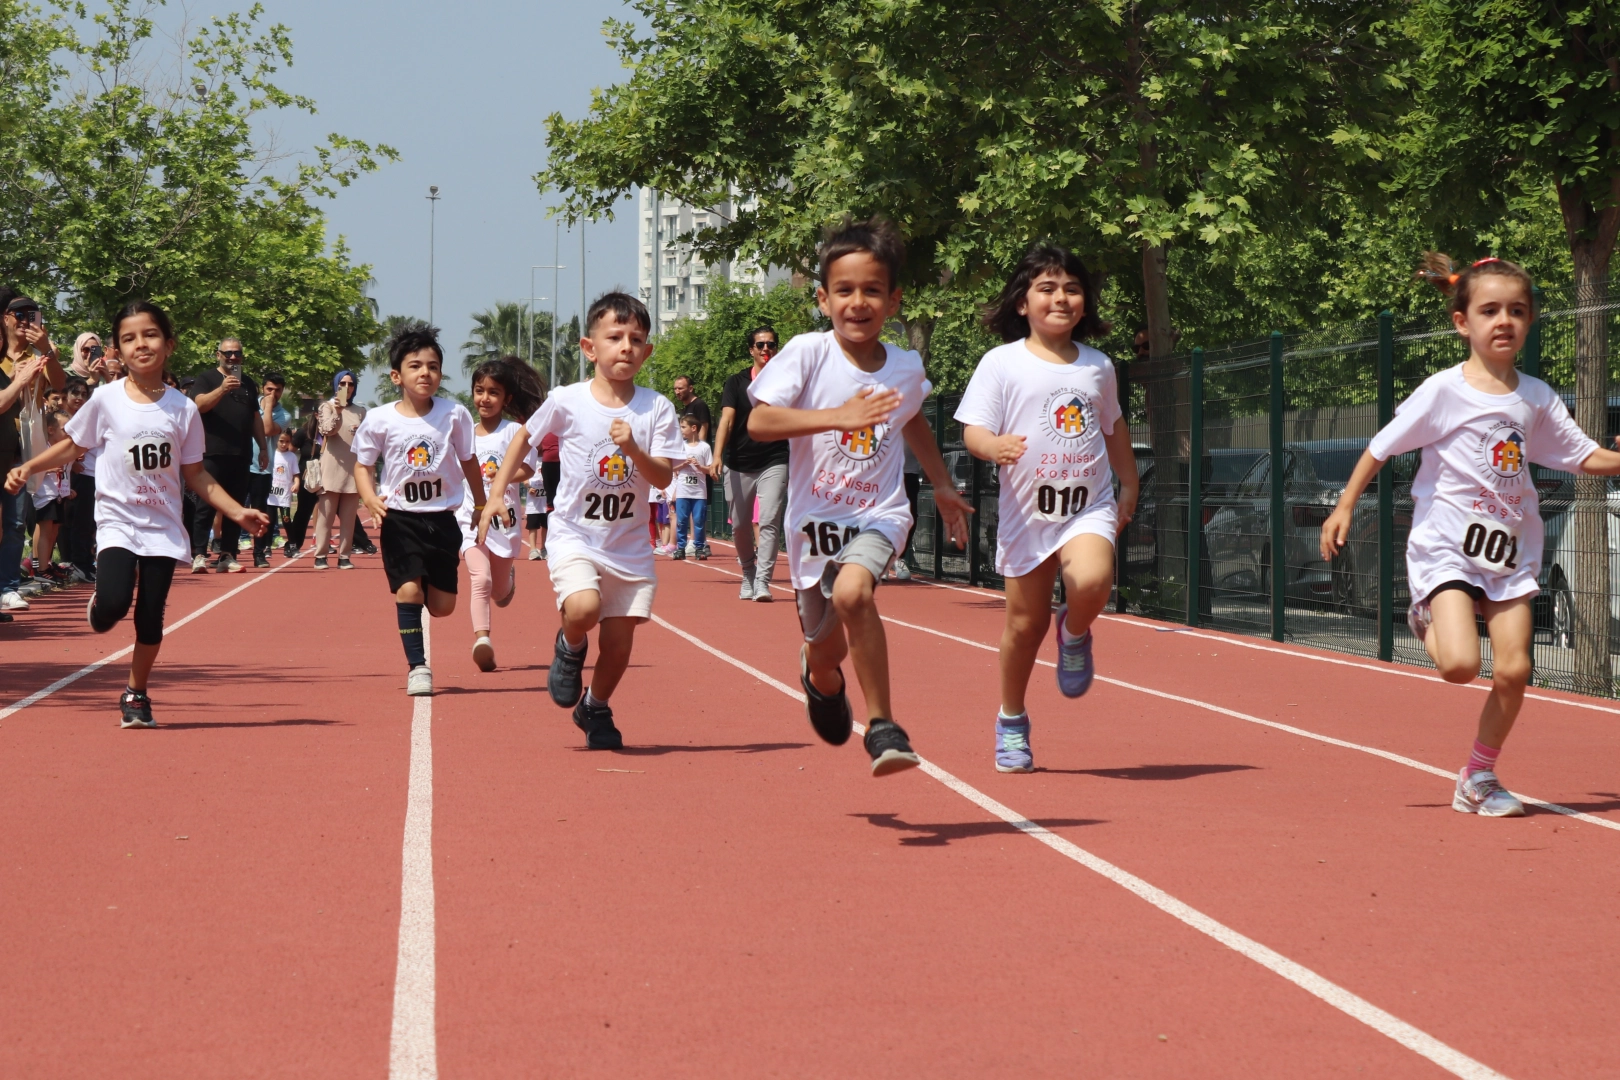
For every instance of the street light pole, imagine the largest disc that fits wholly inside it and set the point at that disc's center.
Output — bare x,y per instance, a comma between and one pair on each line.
433,211
530,317
583,302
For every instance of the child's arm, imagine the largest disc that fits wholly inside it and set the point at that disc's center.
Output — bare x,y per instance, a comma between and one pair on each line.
1122,459
1602,462
297,485
984,444
952,508
255,522
658,471
516,451
1336,529
868,408
58,455
475,481
365,481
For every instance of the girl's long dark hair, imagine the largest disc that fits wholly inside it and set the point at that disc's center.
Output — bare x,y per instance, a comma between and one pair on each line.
525,389
1001,317
144,307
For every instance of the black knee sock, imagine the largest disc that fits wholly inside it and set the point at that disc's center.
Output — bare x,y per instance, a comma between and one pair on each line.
410,633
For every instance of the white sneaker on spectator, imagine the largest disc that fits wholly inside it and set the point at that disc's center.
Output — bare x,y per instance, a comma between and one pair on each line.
902,572
11,600
747,590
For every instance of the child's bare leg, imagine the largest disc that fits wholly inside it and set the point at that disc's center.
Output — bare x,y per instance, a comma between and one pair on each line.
613,644
868,644
440,603
1453,638
1511,626
1088,578
1029,615
824,659
581,611
140,665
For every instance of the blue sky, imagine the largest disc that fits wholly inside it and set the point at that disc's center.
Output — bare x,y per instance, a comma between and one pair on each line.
461,91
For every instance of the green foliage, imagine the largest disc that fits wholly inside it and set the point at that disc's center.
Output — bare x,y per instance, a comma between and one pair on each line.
127,176
712,349
501,331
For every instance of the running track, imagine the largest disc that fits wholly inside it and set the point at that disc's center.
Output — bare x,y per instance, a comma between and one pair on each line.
1196,883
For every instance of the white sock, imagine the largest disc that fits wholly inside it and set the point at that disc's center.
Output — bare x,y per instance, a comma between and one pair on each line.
592,701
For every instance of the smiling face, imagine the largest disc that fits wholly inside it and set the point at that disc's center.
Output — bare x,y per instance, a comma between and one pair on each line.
419,374
489,397
1498,317
859,298
617,348
142,347
1054,304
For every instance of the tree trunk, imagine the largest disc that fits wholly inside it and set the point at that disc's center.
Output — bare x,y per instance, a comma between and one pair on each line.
919,335
1591,237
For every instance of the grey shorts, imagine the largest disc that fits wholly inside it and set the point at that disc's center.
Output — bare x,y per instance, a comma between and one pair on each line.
869,550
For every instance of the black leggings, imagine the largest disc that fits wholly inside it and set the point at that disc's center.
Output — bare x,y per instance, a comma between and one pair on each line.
117,571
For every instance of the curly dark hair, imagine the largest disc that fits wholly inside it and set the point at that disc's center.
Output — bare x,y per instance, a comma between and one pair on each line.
413,338
877,236
525,389
1002,317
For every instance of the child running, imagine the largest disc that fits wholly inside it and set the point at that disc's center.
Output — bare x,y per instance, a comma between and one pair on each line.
1045,408
153,438
617,441
426,446
692,490
509,386
284,484
840,396
1476,539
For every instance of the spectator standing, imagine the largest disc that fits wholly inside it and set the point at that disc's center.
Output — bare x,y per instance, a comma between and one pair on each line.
274,419
87,361
233,432
752,469
687,403
28,353
338,420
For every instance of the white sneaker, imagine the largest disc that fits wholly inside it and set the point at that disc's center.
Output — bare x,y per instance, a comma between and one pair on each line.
1481,793
747,590
483,654
534,555
199,564
1419,617
11,600
902,572
419,682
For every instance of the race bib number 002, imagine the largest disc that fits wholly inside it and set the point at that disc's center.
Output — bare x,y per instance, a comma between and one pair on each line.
1060,503
827,538
1491,546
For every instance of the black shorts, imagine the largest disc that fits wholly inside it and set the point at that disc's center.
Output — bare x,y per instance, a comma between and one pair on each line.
417,547
1461,586
55,510
535,521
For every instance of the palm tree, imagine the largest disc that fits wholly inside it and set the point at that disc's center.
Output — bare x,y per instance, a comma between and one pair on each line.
377,355
500,331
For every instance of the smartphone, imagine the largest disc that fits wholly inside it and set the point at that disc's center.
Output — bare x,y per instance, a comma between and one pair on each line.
234,371
96,353
343,397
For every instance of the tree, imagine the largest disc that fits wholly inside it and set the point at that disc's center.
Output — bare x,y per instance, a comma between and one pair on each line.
711,349
501,331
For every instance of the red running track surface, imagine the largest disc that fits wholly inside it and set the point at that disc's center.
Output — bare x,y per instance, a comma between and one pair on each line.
729,897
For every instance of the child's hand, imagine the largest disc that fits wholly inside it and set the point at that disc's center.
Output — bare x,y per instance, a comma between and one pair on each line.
490,512
16,478
869,407
376,506
623,436
254,522
953,510
1335,531
1007,449
1127,507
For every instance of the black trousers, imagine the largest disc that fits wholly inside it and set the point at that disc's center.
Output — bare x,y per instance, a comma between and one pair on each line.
298,527
118,572
231,472
81,545
258,498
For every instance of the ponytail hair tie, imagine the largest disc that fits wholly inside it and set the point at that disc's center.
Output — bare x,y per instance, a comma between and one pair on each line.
1481,262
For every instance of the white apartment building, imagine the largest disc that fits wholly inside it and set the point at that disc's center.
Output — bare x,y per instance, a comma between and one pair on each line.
673,283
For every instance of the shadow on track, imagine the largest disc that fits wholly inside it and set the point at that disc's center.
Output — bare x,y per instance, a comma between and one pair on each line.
938,835
1152,772
741,748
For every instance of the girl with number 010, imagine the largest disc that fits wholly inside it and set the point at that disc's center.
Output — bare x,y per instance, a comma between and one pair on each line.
1476,540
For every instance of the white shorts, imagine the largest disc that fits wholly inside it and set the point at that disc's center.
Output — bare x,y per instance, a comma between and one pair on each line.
622,597
1098,519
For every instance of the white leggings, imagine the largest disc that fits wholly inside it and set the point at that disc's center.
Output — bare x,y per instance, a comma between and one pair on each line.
491,577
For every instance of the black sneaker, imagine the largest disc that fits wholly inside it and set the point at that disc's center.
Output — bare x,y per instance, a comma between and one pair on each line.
830,716
564,683
369,549
596,721
320,562
344,563
891,752
678,554
136,708
261,562
703,553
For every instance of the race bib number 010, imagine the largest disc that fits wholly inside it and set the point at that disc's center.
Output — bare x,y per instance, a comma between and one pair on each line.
1491,546
1060,503
827,538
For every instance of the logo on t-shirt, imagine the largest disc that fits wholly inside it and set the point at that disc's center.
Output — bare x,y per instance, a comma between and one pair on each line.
611,467
1502,450
420,454
862,444
1069,415
492,465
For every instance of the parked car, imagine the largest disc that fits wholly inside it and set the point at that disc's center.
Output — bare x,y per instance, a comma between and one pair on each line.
1555,607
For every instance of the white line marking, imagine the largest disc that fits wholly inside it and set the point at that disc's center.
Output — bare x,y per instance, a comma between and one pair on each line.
67,680
1289,728
413,1046
1358,1008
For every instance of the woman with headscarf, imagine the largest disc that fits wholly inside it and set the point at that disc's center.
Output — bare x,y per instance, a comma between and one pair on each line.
92,371
337,420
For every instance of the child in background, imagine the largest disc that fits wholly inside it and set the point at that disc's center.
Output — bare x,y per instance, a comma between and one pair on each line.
509,386
284,483
426,445
692,490
51,504
658,521
617,441
1045,408
534,518
1476,540
841,396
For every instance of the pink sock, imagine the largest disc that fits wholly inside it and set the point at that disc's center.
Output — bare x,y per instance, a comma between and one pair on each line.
1483,757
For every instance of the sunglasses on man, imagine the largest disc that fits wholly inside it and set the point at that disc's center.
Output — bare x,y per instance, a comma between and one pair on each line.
766,346
26,316
230,354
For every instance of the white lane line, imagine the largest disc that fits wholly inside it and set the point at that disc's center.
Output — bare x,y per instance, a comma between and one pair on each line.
413,1044
67,680
1387,755
1225,639
1358,1008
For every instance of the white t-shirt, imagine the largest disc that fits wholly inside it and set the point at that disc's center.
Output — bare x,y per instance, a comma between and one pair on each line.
690,482
52,486
841,483
283,472
505,532
421,456
534,496
600,509
1475,514
140,491
1063,411
87,464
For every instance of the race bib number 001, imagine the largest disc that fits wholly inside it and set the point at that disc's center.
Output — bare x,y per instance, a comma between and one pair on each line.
827,538
1491,546
1060,503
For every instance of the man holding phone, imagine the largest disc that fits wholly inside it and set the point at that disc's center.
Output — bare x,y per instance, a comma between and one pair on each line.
233,429
26,354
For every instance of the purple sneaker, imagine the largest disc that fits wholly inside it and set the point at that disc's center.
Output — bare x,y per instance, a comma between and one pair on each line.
1012,747
1074,670
1419,617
